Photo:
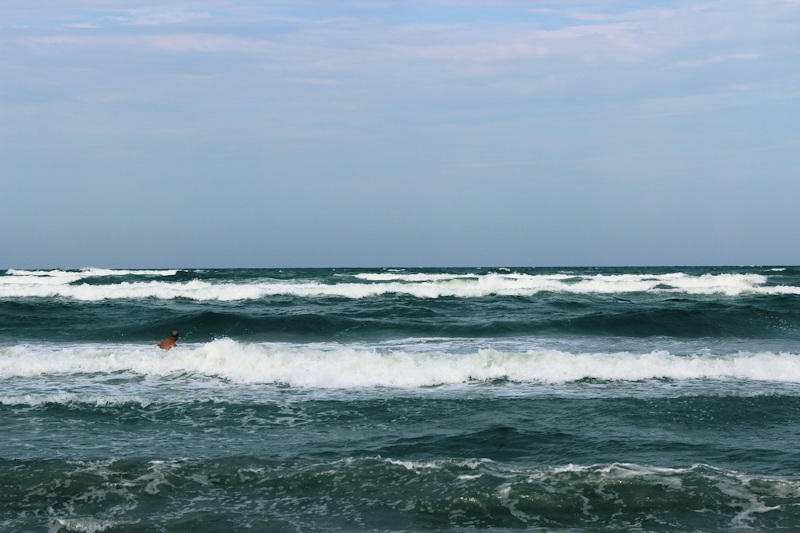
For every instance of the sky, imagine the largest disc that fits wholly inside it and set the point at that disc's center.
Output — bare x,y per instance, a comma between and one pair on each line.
369,133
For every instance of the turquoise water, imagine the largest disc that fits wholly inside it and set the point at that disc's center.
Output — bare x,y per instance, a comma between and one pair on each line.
584,399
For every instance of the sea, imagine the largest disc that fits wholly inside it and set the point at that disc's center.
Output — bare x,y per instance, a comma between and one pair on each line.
401,399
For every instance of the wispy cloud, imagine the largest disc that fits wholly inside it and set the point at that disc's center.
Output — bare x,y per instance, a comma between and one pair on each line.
601,44
716,59
642,35
165,15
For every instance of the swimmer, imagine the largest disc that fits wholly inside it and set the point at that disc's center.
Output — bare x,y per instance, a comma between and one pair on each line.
166,344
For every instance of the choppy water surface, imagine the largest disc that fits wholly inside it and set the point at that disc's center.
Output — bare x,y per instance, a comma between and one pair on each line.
639,399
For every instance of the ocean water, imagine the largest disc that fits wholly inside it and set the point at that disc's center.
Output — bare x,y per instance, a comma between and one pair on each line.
468,399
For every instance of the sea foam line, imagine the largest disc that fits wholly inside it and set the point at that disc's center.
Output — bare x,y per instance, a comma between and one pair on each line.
66,398
510,284
89,272
353,367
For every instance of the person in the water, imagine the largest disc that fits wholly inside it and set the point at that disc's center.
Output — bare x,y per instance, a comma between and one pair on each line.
171,342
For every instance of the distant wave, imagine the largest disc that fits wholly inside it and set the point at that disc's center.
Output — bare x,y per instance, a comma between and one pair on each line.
351,367
395,276
33,279
89,272
62,284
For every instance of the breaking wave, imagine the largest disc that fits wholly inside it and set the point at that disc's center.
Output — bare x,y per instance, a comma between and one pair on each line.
354,367
67,284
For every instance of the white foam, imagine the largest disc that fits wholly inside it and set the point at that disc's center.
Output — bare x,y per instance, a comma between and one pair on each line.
365,367
89,272
41,273
393,276
65,398
18,279
48,283
84,525
63,285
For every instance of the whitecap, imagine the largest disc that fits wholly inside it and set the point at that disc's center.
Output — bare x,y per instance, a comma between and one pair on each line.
343,367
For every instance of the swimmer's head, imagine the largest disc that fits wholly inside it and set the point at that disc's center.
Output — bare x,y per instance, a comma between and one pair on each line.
175,334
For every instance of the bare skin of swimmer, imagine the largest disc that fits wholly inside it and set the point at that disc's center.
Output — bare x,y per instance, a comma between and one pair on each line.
166,344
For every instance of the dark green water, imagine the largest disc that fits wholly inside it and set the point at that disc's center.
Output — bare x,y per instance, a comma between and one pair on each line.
639,399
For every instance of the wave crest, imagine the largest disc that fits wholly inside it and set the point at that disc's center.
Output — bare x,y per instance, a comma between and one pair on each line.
355,367
48,284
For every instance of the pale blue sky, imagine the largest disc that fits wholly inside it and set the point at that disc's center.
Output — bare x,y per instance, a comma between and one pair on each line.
388,133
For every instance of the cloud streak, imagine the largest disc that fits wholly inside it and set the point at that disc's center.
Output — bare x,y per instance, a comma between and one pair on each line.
658,34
